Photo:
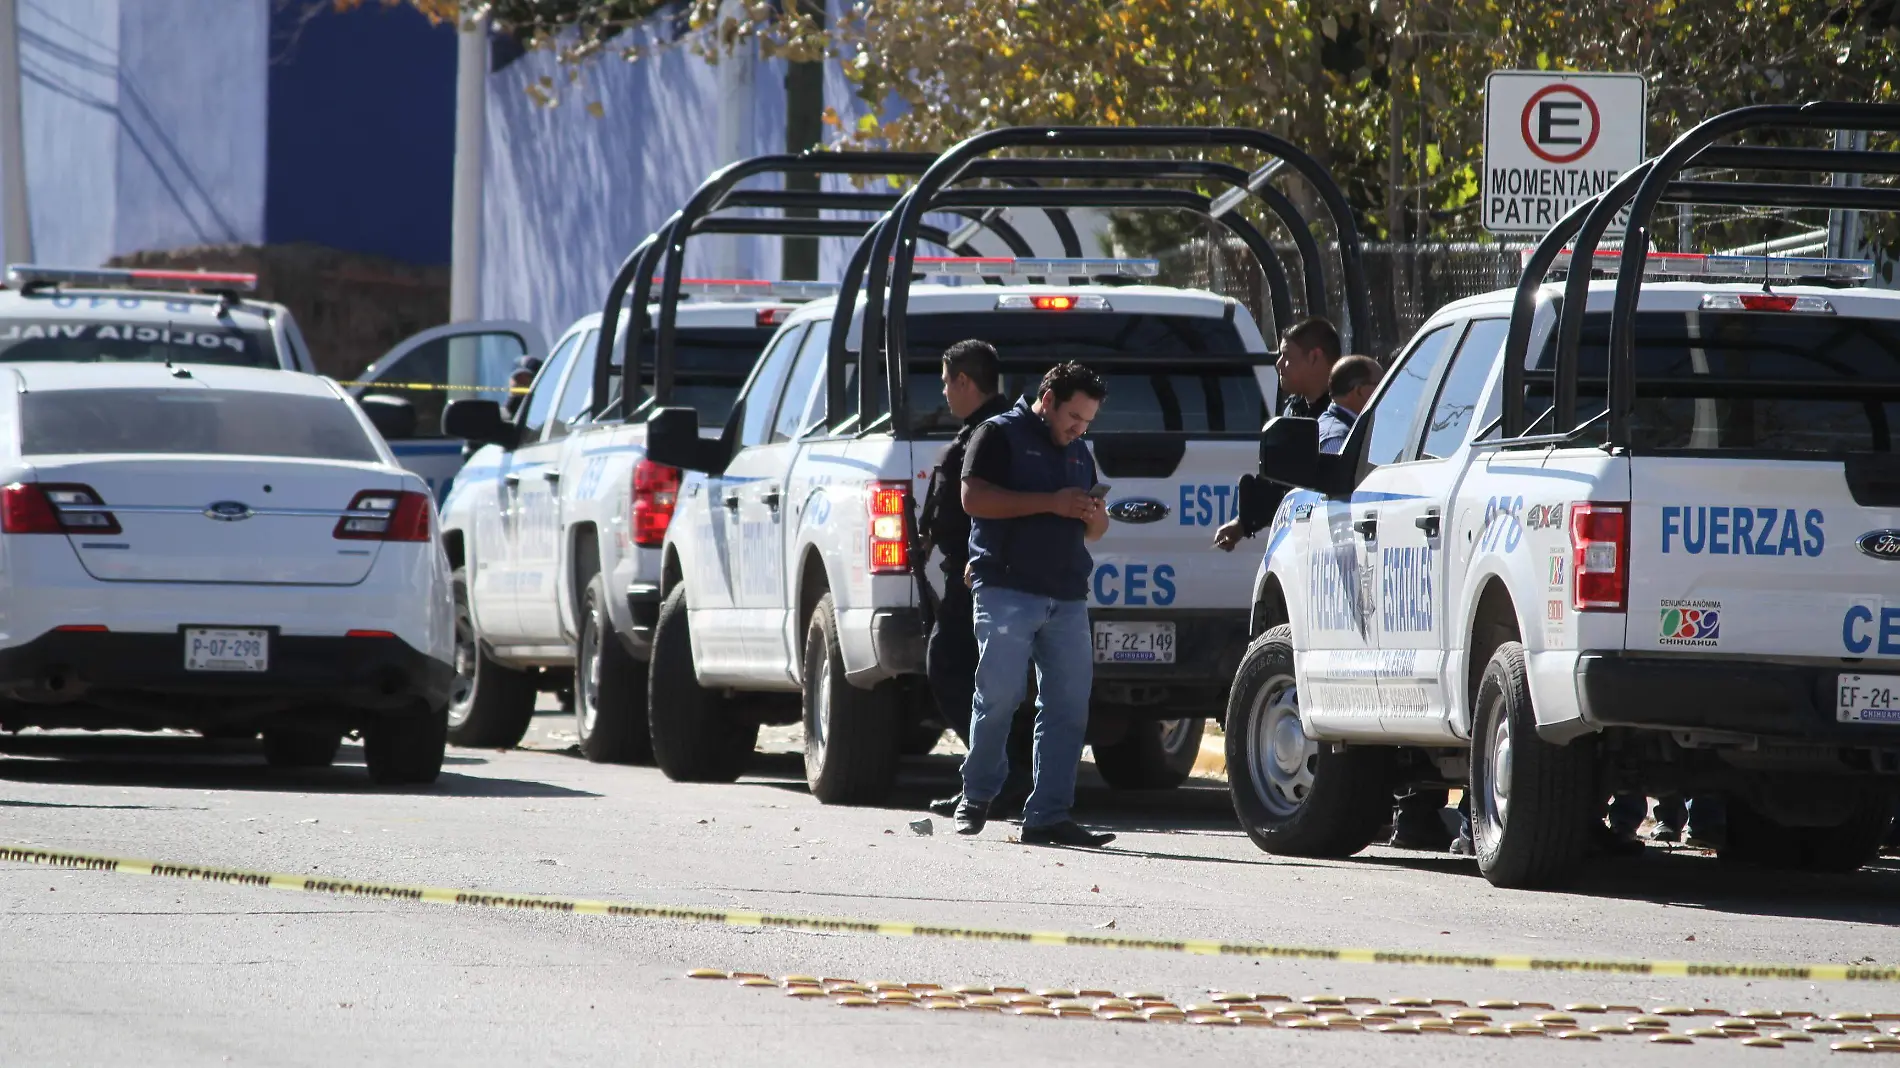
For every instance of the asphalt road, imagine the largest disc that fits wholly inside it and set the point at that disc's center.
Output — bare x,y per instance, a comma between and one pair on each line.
98,965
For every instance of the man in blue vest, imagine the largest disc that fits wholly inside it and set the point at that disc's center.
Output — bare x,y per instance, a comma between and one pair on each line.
1026,486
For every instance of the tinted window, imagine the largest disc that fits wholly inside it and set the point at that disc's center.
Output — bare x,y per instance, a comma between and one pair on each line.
546,384
204,421
710,364
1396,410
1193,372
806,373
1457,402
1771,381
755,418
474,365
185,340
579,389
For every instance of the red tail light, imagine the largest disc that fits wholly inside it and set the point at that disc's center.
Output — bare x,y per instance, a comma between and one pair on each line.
1599,561
656,490
54,508
386,515
890,541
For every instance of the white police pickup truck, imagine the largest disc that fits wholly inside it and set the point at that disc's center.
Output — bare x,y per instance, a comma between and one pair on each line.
555,523
788,570
1696,598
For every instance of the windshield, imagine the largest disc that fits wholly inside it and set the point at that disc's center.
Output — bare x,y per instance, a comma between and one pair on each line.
710,364
1175,373
101,341
199,421
1768,381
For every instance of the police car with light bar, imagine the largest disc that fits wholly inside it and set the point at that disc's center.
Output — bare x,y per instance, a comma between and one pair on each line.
788,559
224,549
1659,572
554,524
109,315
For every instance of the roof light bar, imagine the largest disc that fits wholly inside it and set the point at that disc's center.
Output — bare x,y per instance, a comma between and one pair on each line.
754,288
1083,267
21,275
1700,265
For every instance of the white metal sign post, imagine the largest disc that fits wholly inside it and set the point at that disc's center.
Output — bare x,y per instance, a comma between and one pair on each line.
1553,139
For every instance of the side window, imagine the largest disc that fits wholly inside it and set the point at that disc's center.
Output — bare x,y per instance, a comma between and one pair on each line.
578,394
476,363
541,400
1457,402
761,396
1395,413
300,357
816,413
807,373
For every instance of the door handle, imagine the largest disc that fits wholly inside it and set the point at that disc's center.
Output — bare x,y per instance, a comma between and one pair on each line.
732,502
1367,528
1427,523
551,475
771,498
513,478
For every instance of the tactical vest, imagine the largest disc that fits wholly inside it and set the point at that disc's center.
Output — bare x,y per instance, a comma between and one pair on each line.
1042,554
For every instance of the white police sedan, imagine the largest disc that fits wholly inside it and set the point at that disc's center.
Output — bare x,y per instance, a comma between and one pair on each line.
223,549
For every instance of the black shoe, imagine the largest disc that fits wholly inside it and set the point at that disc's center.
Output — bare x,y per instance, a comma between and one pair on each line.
1426,838
1068,833
1464,847
945,807
971,815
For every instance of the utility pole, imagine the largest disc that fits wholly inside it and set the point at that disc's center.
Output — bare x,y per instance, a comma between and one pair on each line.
14,218
471,131
804,128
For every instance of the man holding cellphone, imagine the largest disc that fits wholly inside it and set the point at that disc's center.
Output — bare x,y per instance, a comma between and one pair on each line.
1030,488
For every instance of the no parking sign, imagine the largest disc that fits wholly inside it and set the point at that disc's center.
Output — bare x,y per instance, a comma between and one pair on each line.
1554,139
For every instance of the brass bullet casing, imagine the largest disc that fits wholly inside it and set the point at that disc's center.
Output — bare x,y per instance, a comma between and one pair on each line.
1322,999
974,990
1340,1019
1398,1027
1612,1029
1434,1025
1556,1018
984,1001
1706,1032
1589,1007
1579,1036
1056,993
942,1003
1095,994
1790,1036
1759,1014
854,1001
1225,998
799,980
1273,999
1488,1032
1851,1046
1123,1016
1030,1010
804,992
1824,1027
1309,1024
1206,1006
1071,1005
1019,1000
1498,1003
1735,1024
1667,1039
1524,1027
1672,1010
1761,1042
1214,1019
1411,1003
1648,1020
1383,1013
1168,1012
1114,1004
1851,1017
757,980
1469,1016
707,973
1142,995
750,975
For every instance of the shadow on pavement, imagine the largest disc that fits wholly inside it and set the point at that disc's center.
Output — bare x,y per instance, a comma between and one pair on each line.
170,761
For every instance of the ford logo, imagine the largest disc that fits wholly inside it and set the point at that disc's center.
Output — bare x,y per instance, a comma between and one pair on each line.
228,511
1881,544
1138,510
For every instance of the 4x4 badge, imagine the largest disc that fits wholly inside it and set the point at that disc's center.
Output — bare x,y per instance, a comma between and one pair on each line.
1881,544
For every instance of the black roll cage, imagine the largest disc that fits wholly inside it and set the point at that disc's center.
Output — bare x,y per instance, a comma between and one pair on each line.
886,256
1653,182
662,253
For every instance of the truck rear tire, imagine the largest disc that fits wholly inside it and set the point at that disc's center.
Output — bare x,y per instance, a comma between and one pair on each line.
610,689
491,704
1534,805
1296,797
1153,755
1753,838
406,749
698,734
852,736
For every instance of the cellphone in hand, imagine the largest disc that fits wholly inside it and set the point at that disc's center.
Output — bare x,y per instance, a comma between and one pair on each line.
1099,491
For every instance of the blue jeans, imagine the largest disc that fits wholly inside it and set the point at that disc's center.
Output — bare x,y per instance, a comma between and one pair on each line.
1012,630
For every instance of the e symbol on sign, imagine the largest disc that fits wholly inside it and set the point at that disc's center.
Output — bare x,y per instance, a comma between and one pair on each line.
1553,123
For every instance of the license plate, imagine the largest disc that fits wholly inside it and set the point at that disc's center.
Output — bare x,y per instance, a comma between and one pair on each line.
226,649
1867,698
1134,643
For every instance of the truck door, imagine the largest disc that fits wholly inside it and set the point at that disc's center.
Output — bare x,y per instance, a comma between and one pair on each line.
542,549
524,480
764,502
1414,579
1340,665
741,535
428,370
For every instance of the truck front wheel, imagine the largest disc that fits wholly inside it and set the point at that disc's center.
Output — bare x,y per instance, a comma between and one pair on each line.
1297,797
1533,804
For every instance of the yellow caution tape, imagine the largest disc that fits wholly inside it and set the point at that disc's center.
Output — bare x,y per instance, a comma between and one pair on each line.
439,387
343,887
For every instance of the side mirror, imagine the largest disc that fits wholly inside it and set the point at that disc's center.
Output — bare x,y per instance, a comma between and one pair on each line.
393,417
673,439
1289,455
479,422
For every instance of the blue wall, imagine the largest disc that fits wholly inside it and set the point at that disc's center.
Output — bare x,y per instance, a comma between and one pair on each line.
362,132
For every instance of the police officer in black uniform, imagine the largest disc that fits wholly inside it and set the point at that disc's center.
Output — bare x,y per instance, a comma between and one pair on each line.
1308,350
971,388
